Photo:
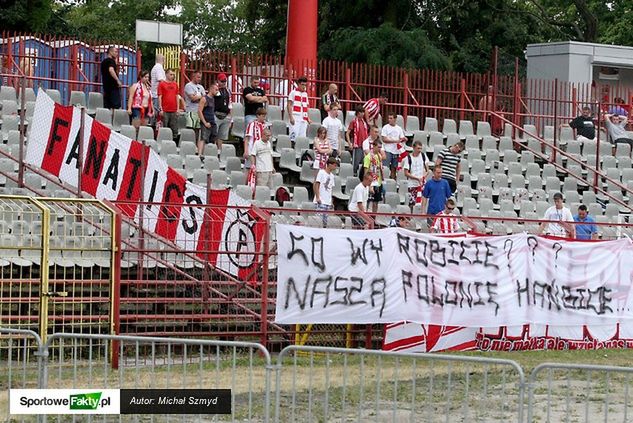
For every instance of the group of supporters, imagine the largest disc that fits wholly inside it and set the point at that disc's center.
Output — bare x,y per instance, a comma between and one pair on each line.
374,150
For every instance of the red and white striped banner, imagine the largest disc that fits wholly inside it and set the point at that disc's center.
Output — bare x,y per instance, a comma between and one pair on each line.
117,168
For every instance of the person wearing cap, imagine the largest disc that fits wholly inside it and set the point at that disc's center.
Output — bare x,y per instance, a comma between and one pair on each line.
583,125
222,111
558,213
323,186
372,108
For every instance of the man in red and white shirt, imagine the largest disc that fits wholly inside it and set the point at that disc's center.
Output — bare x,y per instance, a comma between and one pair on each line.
372,108
254,132
298,109
446,222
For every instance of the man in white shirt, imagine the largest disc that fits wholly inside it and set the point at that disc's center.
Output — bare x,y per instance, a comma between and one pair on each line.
193,94
334,129
323,186
392,135
358,200
298,110
156,75
415,167
262,160
561,214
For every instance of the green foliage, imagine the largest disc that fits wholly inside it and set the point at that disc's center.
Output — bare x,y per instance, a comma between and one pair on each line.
384,45
25,15
442,34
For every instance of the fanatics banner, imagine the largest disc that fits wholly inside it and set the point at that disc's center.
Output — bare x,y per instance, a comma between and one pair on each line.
392,275
112,169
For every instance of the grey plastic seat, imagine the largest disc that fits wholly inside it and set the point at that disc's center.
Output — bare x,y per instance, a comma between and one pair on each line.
449,127
337,190
104,116
288,160
300,194
239,127
77,98
55,95
167,148
8,93
146,133
187,134
128,131
9,123
211,163
210,150
95,101
219,179
228,150
262,193
466,128
244,191
165,134
233,164
9,107
274,112
119,119
307,173
187,148
236,177
413,123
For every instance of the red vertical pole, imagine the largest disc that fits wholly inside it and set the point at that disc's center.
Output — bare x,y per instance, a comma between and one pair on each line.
266,258
301,37
595,177
553,160
405,96
73,65
22,133
462,98
183,70
348,87
116,289
80,159
139,62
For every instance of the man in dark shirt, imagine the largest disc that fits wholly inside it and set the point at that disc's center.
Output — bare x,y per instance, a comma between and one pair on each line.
583,125
110,79
328,98
222,111
254,98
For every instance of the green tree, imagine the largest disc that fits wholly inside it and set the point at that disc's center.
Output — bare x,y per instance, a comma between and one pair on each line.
384,45
25,15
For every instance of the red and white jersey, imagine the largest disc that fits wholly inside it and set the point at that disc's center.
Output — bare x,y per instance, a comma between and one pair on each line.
300,103
254,130
372,107
446,223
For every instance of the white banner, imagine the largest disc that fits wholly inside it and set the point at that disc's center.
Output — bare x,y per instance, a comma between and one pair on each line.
117,168
391,275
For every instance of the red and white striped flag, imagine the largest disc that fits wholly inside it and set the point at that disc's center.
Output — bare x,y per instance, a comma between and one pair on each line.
402,155
251,180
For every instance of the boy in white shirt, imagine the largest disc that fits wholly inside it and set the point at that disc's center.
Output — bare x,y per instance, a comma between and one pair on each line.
561,214
415,167
334,129
392,135
323,186
262,159
358,200
298,109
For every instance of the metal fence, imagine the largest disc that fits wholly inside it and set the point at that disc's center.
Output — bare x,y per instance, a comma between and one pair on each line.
57,265
313,384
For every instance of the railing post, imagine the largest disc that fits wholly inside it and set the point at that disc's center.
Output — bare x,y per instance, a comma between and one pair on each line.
264,306
115,293
553,159
348,87
22,133
517,104
183,70
462,99
80,159
234,79
574,99
595,173
405,96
